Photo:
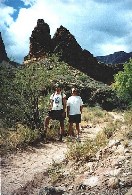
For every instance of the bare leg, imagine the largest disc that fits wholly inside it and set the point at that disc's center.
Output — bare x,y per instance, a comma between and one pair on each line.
70,128
78,129
61,133
46,123
62,127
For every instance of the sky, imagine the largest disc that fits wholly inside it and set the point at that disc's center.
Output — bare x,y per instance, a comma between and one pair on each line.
100,26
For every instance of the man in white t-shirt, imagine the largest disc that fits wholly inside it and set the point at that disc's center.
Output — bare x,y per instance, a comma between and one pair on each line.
57,109
74,110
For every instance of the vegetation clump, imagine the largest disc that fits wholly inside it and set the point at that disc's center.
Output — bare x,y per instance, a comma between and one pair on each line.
123,82
25,92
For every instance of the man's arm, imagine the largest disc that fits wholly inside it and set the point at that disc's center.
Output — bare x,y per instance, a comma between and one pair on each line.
68,110
81,107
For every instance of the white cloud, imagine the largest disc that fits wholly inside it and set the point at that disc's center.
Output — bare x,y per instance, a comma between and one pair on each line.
28,2
6,15
101,27
109,48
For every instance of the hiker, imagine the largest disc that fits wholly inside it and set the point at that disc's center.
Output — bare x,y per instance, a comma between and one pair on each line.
74,111
57,109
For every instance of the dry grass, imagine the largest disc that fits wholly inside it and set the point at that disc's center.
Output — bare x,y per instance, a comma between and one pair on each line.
87,150
95,115
56,171
120,129
54,128
11,139
128,117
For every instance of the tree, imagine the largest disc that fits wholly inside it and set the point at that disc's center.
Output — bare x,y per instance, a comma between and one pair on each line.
21,88
31,81
8,98
123,82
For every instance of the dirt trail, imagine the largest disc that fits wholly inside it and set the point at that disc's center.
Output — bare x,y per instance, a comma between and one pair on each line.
20,168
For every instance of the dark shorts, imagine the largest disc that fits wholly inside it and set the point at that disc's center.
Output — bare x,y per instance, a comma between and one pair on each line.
56,115
75,118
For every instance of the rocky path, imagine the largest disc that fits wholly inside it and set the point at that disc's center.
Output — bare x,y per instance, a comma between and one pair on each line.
20,168
26,172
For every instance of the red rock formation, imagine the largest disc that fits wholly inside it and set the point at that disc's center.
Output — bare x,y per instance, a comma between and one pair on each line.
65,44
3,54
40,40
70,51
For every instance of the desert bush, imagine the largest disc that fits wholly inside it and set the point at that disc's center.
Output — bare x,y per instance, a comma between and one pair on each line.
109,130
128,122
54,129
83,77
128,116
56,171
95,115
20,137
87,150
100,140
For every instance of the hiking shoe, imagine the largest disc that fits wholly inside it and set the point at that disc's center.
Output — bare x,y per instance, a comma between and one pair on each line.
78,139
70,138
60,137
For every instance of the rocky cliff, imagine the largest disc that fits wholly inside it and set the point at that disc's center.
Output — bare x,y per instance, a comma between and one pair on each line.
65,45
40,40
3,54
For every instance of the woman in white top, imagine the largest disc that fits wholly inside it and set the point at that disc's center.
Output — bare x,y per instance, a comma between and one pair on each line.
74,111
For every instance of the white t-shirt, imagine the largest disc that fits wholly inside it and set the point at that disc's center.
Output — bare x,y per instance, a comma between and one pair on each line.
74,102
57,100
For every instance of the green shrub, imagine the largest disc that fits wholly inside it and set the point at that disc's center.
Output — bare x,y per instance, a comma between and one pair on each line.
95,115
109,131
56,172
87,150
20,137
123,82
101,140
